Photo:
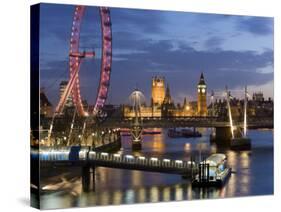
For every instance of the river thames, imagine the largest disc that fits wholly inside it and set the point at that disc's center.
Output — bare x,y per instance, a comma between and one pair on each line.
252,174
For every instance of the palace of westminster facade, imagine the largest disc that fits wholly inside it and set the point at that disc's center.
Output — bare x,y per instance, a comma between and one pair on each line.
162,104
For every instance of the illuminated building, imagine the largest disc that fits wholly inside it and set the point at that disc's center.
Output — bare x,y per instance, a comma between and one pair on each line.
202,97
168,106
167,98
162,104
157,91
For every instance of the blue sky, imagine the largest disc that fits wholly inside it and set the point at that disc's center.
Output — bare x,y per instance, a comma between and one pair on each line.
229,50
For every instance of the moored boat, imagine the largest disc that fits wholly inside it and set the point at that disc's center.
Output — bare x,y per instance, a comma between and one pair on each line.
188,133
151,132
242,143
173,133
212,172
144,132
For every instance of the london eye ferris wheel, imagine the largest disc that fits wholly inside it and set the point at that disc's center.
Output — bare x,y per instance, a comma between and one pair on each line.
76,57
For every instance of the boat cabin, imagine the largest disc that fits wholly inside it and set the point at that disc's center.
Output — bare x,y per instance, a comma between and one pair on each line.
212,171
217,164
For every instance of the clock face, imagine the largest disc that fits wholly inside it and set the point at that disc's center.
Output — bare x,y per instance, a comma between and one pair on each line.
203,90
198,90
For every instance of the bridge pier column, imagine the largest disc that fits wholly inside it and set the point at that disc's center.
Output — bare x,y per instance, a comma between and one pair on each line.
93,142
88,178
222,136
136,133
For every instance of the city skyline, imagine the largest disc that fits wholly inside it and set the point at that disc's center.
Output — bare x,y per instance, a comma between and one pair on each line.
233,50
140,106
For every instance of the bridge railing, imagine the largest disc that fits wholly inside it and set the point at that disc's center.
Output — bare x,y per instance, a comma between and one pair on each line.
152,118
54,155
93,156
139,160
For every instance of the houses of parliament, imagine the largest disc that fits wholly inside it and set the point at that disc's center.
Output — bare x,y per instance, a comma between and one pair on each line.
162,104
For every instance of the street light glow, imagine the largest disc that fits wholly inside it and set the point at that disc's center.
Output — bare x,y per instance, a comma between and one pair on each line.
104,154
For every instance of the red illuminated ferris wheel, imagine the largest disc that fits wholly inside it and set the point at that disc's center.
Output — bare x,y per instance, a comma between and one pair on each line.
76,57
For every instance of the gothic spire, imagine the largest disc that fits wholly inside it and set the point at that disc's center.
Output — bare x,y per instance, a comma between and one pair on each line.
202,80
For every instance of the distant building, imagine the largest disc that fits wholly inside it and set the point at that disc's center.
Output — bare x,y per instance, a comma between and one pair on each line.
157,91
162,104
69,101
202,97
257,107
258,97
167,98
46,108
168,106
260,107
170,109
192,108
157,98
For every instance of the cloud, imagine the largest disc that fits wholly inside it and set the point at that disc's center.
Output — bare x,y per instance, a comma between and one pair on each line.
208,18
214,42
187,58
182,68
256,25
138,20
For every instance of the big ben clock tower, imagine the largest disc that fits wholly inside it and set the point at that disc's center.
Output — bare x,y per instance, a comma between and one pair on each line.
202,97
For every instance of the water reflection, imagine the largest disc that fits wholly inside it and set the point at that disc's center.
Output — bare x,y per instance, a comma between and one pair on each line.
231,188
157,143
104,198
187,147
244,160
137,178
154,194
117,197
166,194
129,196
141,195
252,175
179,193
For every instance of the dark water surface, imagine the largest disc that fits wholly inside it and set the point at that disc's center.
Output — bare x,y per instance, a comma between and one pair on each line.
252,174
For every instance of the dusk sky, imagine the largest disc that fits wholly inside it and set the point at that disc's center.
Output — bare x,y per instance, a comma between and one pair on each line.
229,50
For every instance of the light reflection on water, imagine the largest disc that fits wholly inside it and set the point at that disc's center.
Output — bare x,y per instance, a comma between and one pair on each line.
252,175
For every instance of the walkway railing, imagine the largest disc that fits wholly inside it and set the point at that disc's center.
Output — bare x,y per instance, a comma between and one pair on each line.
118,161
189,121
